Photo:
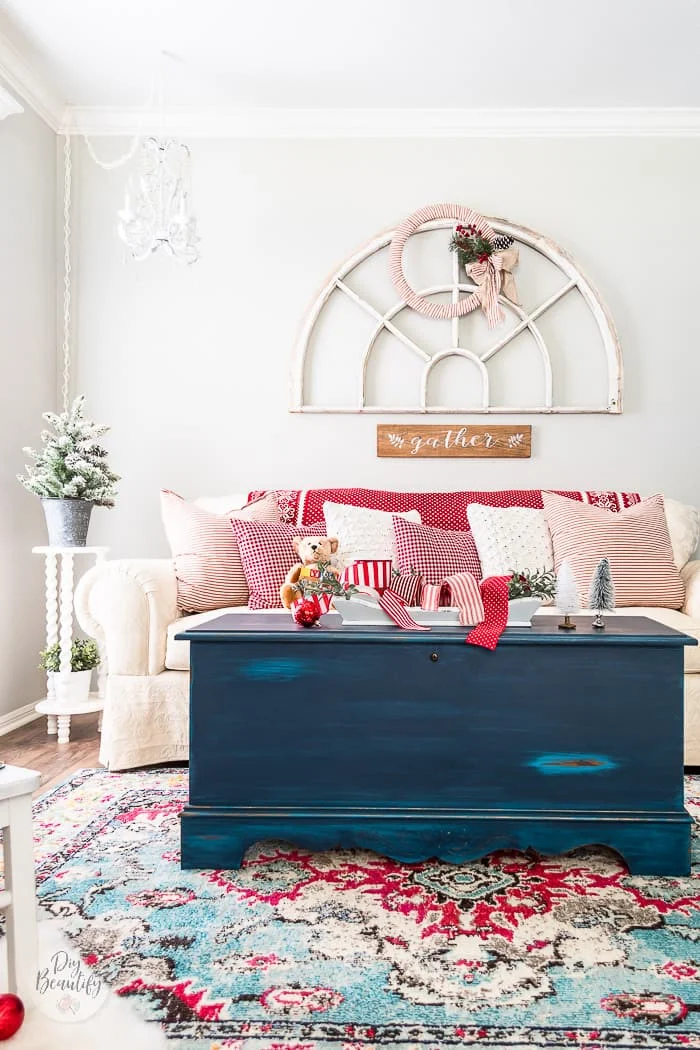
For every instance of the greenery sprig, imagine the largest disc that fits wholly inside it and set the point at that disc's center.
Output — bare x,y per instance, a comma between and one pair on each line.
541,583
327,583
470,245
83,656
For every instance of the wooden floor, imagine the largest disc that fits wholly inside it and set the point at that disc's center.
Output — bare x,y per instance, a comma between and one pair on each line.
30,746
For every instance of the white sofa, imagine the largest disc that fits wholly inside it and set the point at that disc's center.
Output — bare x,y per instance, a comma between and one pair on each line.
130,607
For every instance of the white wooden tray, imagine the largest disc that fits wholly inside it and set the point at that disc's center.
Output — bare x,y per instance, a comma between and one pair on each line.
363,610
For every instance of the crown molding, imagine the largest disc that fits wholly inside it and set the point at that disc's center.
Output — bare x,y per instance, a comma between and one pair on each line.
264,122
25,82
8,104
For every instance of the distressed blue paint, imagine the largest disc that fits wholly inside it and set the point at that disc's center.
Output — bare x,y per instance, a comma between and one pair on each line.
373,743
571,764
281,669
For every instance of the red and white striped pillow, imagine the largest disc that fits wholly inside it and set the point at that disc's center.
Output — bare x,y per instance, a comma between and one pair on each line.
205,553
267,553
635,541
435,553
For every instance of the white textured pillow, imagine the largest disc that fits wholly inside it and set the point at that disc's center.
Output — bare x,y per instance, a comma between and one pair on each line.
510,538
363,533
683,528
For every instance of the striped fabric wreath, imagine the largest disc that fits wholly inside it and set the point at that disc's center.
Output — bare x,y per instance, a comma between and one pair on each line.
488,258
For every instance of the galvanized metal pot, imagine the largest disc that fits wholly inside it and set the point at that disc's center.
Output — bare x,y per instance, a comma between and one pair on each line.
67,521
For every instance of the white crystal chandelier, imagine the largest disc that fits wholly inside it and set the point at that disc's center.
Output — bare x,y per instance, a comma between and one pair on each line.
158,210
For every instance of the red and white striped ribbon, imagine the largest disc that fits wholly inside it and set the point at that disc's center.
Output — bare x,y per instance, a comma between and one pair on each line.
395,608
460,590
465,593
375,573
485,604
430,598
487,275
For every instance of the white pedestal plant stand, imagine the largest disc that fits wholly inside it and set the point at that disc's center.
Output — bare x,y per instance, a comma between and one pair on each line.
18,899
61,714
60,585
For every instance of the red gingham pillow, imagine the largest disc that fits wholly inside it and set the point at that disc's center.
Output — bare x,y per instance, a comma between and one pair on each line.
435,553
267,555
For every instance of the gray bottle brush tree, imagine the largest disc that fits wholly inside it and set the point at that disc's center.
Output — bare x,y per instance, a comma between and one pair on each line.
601,595
71,464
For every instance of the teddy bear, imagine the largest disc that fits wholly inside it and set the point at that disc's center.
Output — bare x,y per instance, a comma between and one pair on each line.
314,554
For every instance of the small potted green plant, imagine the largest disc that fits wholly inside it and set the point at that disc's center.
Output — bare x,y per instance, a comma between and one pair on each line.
72,686
527,590
70,475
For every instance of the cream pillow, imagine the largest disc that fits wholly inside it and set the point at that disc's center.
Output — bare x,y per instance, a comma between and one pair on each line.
510,538
363,533
683,528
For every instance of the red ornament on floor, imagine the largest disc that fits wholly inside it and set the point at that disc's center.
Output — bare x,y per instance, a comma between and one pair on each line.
307,613
11,1015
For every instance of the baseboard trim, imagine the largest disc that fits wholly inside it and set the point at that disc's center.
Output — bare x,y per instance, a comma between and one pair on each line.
21,716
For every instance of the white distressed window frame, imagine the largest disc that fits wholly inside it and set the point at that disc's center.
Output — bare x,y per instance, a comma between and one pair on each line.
526,320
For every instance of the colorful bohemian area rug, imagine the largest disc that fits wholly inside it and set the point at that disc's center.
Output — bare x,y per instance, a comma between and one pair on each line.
348,950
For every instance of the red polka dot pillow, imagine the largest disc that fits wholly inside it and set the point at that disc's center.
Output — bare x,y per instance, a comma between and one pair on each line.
635,541
267,553
444,510
434,553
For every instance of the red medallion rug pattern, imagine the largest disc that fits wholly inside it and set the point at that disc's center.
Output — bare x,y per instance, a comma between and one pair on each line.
348,950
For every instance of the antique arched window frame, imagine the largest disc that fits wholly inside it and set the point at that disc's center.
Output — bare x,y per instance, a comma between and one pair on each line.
573,279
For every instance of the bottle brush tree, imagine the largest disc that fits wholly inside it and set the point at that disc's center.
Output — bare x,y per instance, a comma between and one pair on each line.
601,595
71,464
567,595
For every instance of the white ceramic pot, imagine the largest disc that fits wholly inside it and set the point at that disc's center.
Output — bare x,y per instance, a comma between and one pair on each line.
72,687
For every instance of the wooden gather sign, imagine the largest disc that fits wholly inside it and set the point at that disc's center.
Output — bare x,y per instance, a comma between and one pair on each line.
421,441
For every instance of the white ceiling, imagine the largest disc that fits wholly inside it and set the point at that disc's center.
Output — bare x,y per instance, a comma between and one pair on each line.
364,53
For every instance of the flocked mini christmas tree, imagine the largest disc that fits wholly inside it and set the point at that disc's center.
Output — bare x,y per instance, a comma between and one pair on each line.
601,596
567,596
71,464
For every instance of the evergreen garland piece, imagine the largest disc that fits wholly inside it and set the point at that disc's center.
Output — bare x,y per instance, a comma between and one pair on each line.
327,583
541,583
601,595
470,246
72,464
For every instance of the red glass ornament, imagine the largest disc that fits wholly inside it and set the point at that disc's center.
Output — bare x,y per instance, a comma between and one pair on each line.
307,612
11,1015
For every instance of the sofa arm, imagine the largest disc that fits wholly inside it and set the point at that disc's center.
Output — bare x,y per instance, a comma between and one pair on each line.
127,606
691,579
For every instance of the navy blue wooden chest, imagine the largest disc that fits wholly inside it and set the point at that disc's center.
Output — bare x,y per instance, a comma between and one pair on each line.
417,745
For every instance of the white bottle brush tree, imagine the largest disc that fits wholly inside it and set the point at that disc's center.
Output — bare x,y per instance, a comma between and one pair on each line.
567,595
72,464
601,596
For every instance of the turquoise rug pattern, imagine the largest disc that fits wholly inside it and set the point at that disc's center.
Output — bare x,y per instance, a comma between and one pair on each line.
349,950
